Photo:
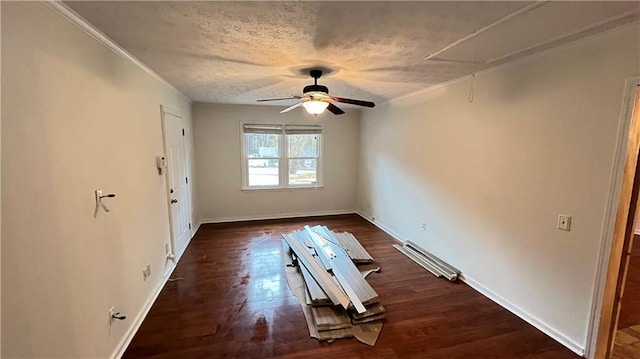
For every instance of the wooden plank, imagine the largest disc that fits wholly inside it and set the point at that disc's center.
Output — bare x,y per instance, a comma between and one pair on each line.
451,271
317,295
372,310
307,297
426,265
330,318
368,319
328,235
309,244
349,244
330,253
335,293
324,252
341,267
355,250
351,285
352,276
349,276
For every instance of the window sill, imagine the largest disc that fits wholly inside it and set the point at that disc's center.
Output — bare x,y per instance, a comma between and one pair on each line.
282,189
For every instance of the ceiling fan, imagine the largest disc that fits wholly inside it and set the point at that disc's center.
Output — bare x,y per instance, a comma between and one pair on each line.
315,99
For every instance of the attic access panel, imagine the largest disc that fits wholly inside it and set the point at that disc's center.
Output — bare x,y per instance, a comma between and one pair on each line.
516,35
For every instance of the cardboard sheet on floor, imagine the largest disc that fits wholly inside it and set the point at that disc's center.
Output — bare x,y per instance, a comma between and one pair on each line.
296,285
366,333
365,270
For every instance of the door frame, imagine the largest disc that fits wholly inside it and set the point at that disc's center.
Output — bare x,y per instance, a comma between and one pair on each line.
618,228
164,110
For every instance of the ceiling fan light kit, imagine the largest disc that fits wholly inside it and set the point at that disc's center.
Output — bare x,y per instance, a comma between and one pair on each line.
315,107
315,99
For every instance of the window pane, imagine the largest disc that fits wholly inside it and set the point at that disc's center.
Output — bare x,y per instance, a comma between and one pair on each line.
263,173
262,145
303,145
302,172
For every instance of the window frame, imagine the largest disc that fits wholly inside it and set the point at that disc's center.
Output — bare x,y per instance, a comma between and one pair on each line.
283,160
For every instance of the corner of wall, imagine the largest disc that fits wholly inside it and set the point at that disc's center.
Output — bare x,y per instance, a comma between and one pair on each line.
0,195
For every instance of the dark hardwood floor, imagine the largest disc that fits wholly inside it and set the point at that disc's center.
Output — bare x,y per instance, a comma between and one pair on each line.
232,301
630,310
627,337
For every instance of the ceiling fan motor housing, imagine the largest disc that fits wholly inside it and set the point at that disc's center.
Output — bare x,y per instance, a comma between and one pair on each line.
315,88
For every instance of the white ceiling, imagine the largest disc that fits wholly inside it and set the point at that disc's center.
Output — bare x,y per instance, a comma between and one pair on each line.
239,52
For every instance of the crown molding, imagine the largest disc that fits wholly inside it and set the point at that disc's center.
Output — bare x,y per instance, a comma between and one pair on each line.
73,17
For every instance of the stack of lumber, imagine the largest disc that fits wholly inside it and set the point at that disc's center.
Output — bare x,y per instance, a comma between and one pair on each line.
428,261
340,300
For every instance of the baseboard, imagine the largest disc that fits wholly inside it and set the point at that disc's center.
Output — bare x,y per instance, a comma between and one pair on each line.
384,228
637,231
142,314
537,323
195,229
277,216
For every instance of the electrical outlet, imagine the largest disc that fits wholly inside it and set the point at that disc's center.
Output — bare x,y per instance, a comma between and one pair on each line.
424,226
564,222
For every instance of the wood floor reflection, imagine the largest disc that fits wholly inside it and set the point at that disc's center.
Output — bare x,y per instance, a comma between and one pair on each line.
232,301
627,337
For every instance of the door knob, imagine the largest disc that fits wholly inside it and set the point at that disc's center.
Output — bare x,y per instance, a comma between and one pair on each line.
174,201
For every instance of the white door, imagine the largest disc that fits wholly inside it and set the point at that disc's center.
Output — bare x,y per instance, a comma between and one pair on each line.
177,180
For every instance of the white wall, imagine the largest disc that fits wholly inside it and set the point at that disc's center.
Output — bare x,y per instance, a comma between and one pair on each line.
490,177
0,193
219,172
76,117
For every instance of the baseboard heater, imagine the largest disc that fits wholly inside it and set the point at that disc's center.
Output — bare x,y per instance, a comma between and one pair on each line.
428,261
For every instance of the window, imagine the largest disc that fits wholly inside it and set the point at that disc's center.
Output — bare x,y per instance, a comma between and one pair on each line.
281,156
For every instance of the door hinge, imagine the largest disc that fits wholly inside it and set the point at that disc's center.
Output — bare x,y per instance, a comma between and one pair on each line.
186,179
183,131
189,225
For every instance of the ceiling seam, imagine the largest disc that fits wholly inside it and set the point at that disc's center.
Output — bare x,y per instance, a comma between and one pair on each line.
508,17
503,65
610,20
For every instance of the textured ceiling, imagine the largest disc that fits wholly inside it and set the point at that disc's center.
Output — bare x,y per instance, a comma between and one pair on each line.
238,52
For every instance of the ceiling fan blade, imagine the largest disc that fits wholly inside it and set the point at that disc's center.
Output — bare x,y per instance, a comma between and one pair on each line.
280,99
291,107
354,102
334,109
